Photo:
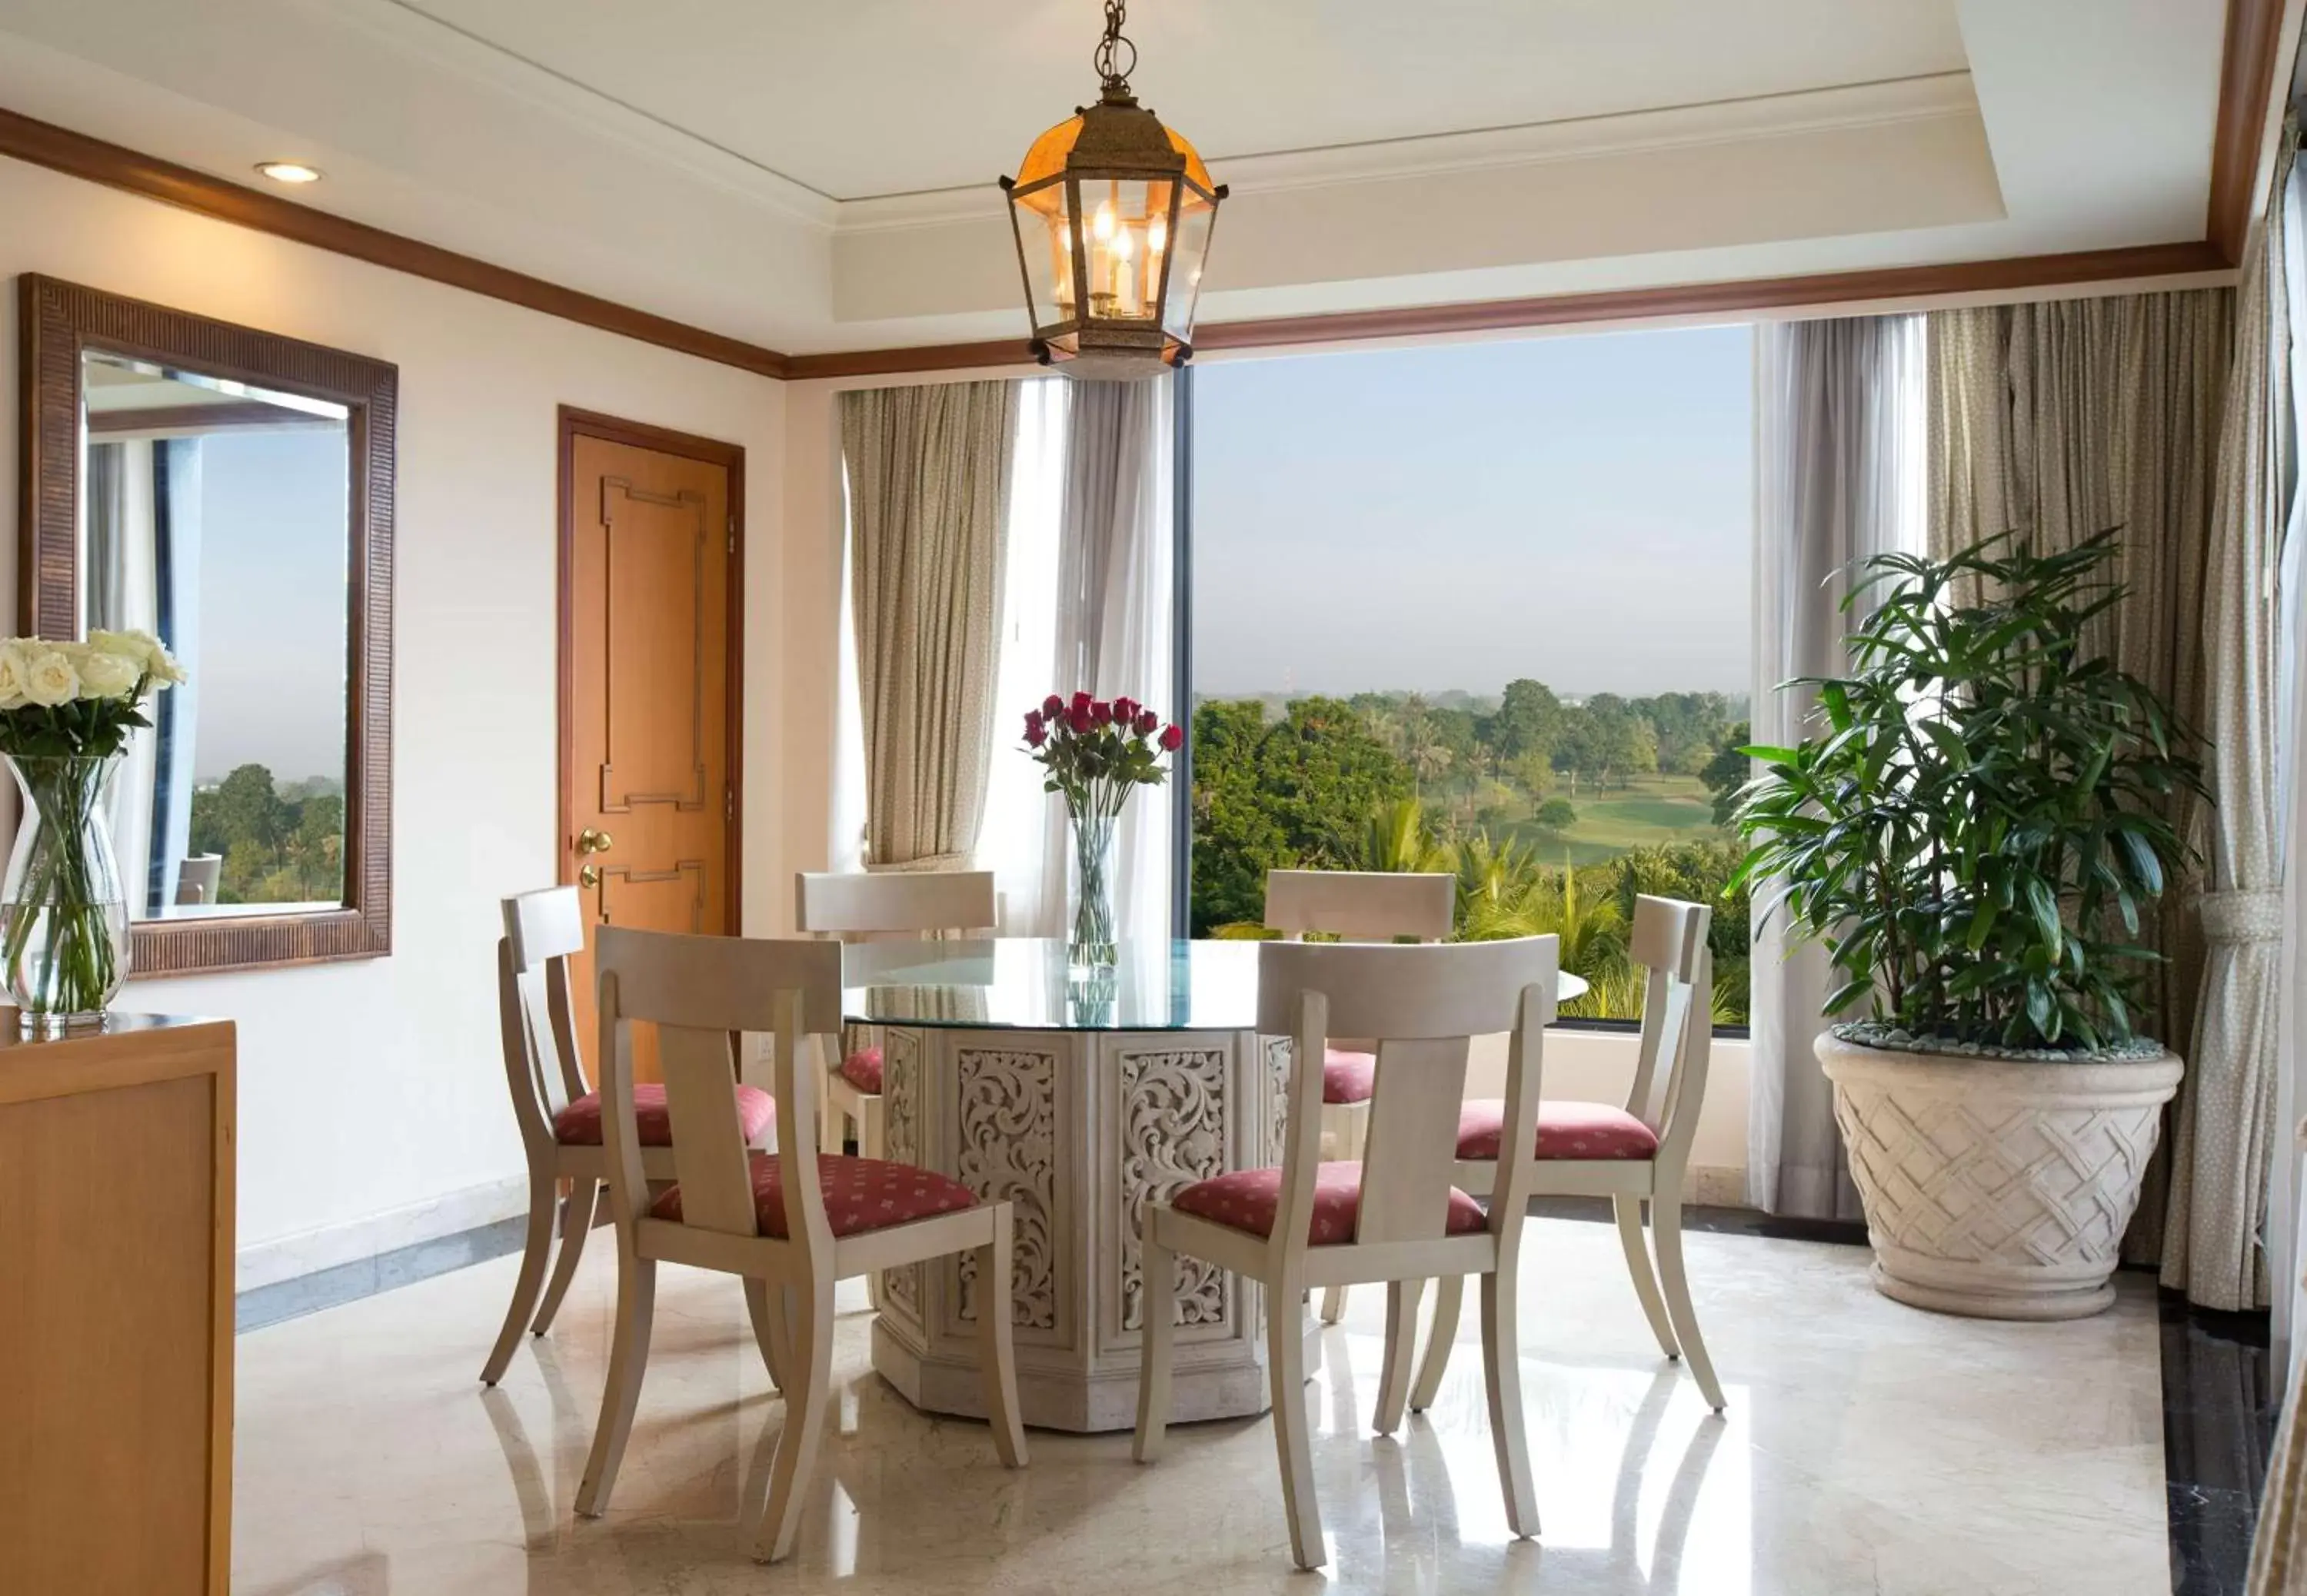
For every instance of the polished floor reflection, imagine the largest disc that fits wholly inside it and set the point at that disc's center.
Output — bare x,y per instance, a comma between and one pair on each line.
1868,1447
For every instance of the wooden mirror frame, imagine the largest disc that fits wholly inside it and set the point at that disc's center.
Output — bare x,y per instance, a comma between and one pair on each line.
58,322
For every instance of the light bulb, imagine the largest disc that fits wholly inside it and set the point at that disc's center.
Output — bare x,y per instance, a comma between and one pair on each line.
1123,244
1102,224
1157,234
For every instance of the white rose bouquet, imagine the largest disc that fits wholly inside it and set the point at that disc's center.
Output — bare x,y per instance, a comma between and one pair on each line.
66,711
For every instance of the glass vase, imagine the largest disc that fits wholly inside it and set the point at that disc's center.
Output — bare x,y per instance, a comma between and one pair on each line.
64,912
1091,947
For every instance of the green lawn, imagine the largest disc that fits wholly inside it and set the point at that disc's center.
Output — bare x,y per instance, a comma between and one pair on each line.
1650,809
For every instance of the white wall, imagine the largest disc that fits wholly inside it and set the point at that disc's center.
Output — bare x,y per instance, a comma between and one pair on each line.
372,1102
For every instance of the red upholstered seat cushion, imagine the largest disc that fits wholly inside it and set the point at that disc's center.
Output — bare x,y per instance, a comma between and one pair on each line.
862,1070
1570,1131
1248,1198
579,1124
860,1194
1347,1076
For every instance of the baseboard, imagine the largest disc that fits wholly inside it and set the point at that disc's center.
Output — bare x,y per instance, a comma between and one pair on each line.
262,1264
1716,1188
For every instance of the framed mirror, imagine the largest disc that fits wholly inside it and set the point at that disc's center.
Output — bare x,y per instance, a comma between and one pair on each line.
230,491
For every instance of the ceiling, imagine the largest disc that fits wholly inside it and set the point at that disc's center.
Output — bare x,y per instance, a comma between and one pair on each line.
819,177
890,97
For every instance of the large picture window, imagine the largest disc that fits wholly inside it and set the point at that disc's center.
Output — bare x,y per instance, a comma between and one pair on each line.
1481,608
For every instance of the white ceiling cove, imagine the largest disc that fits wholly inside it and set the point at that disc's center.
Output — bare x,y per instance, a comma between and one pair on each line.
819,177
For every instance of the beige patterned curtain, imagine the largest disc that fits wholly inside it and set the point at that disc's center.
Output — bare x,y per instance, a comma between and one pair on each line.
929,491
2227,1123
2060,420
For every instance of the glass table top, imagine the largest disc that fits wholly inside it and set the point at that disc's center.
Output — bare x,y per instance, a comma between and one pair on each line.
1024,984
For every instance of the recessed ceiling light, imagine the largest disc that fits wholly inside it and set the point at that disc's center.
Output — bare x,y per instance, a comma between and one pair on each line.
294,172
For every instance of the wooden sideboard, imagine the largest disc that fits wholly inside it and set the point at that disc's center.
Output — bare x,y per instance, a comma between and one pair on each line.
116,1309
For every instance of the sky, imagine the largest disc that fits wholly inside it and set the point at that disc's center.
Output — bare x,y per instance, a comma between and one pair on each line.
271,670
1577,509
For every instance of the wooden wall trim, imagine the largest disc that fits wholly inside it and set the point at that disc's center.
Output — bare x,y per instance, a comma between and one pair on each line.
2248,67
60,149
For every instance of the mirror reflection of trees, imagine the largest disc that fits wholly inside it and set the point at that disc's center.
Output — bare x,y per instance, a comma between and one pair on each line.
1553,814
279,843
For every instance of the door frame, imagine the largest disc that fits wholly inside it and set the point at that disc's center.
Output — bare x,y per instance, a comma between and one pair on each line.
575,423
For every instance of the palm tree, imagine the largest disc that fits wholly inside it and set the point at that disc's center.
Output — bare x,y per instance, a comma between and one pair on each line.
1400,839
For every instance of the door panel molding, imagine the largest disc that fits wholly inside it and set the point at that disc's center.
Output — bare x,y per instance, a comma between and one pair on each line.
573,424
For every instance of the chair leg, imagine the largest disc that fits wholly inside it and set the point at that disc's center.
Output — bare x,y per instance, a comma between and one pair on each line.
577,1214
997,1354
628,1361
1353,1122
811,1369
1449,1291
1629,1212
1285,1358
1666,1221
536,1248
1502,1365
872,1142
763,1303
1402,1298
1158,1298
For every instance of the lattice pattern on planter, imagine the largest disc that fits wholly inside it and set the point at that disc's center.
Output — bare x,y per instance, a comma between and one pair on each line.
1984,1181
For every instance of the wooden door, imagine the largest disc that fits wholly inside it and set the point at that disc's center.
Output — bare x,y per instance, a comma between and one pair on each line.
652,542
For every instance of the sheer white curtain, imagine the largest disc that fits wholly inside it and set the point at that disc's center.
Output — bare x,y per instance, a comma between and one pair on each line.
1012,842
1840,450
1112,602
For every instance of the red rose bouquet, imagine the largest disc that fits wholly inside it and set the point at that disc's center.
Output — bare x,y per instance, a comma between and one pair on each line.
1095,752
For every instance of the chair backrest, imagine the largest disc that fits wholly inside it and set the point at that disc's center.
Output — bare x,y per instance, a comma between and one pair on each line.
1360,905
1669,943
541,930
853,906
697,991
1423,1006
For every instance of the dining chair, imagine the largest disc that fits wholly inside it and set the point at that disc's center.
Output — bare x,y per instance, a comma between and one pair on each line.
559,1116
1634,1156
1392,1216
792,1222
849,907
1355,906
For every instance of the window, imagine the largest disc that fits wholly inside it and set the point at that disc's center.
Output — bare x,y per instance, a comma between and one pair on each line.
1483,608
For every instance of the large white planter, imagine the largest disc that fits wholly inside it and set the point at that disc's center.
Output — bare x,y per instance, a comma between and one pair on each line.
1998,1188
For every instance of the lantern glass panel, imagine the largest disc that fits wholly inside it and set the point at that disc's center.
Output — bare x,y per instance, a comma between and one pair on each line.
1187,250
1041,218
1126,232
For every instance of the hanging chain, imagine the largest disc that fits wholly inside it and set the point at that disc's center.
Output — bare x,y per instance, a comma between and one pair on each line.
1109,65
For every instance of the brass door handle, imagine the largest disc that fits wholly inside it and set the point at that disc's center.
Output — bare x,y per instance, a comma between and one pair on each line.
590,840
589,876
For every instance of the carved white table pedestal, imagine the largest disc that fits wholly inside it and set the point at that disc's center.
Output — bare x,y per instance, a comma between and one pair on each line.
1078,1129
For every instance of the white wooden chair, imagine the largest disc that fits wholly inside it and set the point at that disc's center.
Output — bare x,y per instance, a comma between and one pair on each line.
1393,1216
791,1224
854,908
1355,906
560,1119
1636,1155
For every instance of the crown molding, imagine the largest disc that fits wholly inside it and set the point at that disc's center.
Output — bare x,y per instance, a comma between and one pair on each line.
1936,97
2250,56
415,31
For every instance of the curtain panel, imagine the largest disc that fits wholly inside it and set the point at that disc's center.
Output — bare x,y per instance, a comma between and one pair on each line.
1838,477
929,488
1116,621
2059,420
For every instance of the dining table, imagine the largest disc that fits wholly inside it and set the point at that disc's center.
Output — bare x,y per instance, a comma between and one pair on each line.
1079,1096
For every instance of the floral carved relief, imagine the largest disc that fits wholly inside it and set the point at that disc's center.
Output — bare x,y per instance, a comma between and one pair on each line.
1008,1153
1174,1133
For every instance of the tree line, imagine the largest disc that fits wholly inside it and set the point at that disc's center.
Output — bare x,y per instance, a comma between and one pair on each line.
280,844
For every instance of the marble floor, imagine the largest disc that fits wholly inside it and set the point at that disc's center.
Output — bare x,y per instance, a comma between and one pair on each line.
1868,1447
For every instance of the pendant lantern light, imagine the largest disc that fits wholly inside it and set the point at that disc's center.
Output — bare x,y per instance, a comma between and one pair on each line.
1112,213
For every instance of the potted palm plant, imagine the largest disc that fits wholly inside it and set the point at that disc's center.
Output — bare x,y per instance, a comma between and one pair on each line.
1977,828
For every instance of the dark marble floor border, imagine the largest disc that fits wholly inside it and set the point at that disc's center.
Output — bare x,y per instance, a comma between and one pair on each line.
348,1283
